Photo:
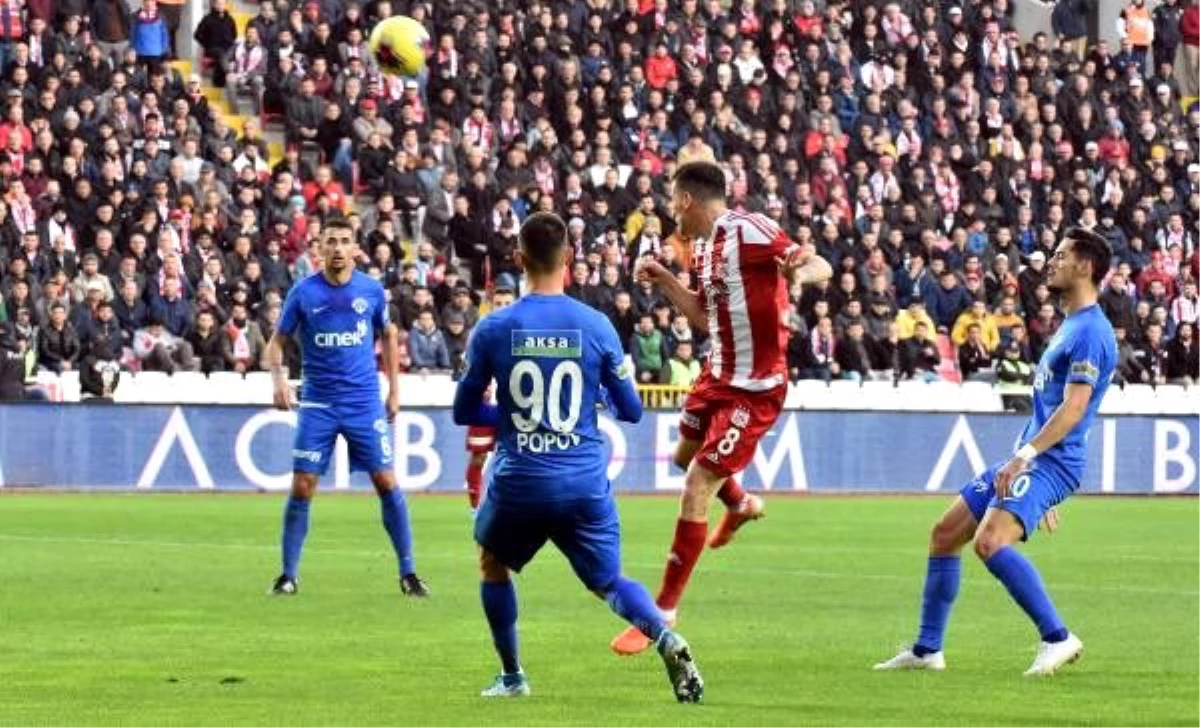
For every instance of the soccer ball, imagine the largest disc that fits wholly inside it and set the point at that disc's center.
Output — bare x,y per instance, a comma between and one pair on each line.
399,45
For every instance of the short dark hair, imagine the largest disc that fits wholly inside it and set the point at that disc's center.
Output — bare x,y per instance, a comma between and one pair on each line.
543,237
703,180
337,223
1091,246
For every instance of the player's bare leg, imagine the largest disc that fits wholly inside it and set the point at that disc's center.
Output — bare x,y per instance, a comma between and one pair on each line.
949,535
499,598
740,508
394,512
475,478
691,531
995,545
295,529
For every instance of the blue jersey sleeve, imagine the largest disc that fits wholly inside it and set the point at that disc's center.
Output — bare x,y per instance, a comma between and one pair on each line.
289,317
616,378
469,405
1088,357
380,319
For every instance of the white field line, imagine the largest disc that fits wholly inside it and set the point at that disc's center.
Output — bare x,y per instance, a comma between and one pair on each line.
772,571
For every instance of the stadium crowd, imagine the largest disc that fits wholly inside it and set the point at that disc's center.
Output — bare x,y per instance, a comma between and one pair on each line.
929,152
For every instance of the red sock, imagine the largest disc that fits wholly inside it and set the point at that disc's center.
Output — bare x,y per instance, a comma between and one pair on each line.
731,493
474,483
685,552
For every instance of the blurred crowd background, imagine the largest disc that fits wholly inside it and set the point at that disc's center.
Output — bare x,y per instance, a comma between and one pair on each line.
934,155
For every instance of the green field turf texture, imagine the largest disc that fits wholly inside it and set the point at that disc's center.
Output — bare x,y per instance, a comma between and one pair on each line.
151,610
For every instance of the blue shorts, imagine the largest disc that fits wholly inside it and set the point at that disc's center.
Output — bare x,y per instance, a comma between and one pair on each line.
1031,494
365,427
587,532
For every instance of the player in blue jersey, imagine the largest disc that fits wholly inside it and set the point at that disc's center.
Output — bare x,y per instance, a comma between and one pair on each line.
554,361
1006,502
337,315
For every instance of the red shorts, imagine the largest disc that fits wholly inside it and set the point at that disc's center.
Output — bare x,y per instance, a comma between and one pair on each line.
481,440
728,422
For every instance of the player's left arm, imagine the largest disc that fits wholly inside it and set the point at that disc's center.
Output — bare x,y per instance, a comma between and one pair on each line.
801,264
390,343
616,379
764,243
470,397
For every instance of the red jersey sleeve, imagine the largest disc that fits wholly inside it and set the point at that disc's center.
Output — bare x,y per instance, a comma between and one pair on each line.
761,241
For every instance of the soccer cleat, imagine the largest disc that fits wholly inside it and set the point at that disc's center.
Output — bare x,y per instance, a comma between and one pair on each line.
507,686
412,586
284,586
750,509
1053,655
682,672
909,660
632,641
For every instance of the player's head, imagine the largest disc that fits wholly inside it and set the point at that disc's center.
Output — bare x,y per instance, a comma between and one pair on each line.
503,297
543,247
1081,259
337,245
698,187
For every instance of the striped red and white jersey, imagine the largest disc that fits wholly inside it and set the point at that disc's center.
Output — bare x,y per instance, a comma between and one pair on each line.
745,299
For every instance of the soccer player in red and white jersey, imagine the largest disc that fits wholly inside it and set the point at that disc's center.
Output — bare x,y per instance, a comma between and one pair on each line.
481,441
743,265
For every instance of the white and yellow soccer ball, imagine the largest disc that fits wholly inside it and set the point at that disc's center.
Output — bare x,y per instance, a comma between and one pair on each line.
399,45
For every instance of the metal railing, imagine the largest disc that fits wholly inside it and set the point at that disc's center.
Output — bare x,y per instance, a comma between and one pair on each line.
662,396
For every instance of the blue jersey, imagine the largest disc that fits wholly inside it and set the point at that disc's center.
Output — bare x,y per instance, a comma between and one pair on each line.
549,356
337,326
1083,351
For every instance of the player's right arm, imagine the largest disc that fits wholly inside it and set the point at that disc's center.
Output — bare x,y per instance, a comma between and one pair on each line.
685,301
615,377
289,320
470,401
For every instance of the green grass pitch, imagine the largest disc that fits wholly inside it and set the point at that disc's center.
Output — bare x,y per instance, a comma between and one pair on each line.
151,610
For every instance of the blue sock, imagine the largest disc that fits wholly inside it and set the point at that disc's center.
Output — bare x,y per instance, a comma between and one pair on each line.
942,575
500,605
395,520
295,528
630,600
1021,578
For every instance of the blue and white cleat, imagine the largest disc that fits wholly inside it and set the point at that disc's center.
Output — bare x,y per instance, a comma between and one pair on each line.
508,686
681,668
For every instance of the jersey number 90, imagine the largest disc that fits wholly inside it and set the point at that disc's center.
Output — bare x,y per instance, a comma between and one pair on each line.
534,397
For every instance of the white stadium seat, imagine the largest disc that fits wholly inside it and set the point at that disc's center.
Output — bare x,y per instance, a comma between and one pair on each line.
845,395
229,388
149,388
1113,402
69,388
258,388
1174,399
979,397
912,396
1142,400
809,394
190,388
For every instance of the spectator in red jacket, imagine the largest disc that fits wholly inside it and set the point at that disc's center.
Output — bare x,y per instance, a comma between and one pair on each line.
660,67
1156,271
1114,148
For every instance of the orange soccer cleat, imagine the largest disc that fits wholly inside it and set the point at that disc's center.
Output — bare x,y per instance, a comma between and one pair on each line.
632,641
750,509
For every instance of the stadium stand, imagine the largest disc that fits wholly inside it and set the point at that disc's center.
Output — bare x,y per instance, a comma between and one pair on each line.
169,203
